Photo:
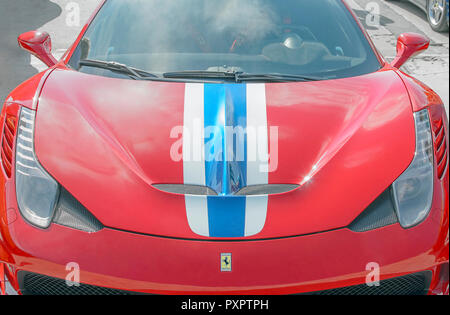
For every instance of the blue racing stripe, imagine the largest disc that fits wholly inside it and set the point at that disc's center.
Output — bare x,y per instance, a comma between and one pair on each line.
225,157
226,216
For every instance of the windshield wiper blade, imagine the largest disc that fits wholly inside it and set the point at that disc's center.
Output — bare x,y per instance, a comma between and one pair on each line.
237,76
200,74
240,76
118,67
275,77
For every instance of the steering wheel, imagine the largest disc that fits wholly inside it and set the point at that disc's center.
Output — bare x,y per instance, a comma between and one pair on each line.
240,40
298,29
198,38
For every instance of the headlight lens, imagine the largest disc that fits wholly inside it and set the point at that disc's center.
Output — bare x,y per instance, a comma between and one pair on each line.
413,190
37,192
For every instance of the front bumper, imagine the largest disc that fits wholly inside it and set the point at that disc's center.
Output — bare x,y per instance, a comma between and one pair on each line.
141,263
160,265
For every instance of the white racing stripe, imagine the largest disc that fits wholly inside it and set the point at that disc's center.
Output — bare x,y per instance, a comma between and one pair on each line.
193,162
257,147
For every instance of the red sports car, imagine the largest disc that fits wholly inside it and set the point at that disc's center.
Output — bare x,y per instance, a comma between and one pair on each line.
224,147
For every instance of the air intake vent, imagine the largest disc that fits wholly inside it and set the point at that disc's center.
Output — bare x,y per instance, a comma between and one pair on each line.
379,214
413,284
9,132
71,213
271,189
440,145
186,189
36,284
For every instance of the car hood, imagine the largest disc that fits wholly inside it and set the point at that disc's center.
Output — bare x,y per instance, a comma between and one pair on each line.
108,141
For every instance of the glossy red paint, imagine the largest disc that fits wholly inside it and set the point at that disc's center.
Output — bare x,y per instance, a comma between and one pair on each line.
39,44
28,92
336,119
409,45
420,94
107,140
2,280
320,261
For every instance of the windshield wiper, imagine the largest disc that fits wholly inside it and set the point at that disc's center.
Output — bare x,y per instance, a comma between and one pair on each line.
133,73
200,74
240,76
275,77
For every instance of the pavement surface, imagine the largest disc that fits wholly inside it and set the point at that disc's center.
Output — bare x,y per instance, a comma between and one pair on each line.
63,19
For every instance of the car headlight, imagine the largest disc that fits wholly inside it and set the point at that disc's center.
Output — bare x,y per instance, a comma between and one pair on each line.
413,190
37,192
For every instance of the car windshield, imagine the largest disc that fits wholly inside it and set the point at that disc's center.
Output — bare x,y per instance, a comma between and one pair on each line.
317,38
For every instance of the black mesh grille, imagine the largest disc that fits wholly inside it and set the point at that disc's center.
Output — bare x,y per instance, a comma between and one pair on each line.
414,284
379,214
36,284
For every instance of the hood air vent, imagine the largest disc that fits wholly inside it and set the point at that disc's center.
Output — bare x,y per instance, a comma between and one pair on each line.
257,190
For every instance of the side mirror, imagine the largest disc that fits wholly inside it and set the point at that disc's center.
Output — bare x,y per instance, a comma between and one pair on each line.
39,44
408,46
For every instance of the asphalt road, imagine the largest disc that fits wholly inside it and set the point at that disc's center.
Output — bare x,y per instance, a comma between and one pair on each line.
63,19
